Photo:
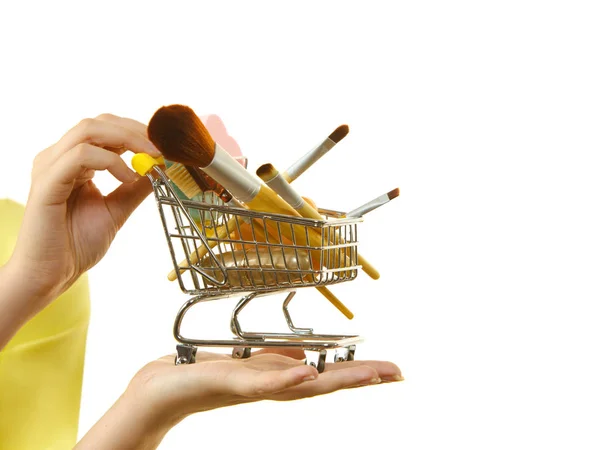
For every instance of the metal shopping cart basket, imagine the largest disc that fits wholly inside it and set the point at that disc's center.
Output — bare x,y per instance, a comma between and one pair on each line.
223,250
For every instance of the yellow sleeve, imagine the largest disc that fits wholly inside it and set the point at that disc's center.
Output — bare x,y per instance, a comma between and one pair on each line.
41,368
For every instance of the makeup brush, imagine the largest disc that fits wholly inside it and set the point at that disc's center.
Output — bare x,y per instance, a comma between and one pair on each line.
272,178
298,168
183,138
373,204
192,182
179,175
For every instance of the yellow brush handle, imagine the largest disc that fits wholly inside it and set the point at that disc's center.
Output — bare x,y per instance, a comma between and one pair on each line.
308,211
259,233
335,301
268,201
202,251
143,163
368,268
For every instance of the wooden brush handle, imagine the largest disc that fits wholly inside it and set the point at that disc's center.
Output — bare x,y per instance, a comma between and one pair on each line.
335,302
308,211
281,184
260,235
202,251
268,201
368,268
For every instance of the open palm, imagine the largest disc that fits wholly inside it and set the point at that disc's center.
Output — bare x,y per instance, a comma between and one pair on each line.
218,380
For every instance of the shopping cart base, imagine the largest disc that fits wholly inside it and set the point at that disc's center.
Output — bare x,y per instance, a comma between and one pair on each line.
244,341
316,351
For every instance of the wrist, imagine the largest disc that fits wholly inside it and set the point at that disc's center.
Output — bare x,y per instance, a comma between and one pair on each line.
149,410
132,422
16,305
26,285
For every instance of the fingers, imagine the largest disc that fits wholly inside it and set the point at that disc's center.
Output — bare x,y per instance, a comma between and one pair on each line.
57,181
86,176
387,371
86,156
71,162
125,123
110,131
126,198
328,382
251,383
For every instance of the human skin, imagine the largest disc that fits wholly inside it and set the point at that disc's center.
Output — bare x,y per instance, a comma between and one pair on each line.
67,228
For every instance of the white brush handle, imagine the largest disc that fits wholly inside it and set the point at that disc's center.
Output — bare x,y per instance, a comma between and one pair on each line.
232,176
369,206
285,191
298,168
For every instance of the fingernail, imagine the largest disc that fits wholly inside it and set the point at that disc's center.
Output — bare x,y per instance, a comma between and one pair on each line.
309,378
371,381
394,378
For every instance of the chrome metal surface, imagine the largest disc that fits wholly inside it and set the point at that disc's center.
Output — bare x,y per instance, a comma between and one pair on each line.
246,254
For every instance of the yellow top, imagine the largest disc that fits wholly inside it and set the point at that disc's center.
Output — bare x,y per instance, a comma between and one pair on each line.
41,368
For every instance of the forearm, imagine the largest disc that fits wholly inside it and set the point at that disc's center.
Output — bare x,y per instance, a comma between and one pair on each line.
18,302
129,424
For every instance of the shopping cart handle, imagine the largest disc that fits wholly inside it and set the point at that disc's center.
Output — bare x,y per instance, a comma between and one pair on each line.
143,163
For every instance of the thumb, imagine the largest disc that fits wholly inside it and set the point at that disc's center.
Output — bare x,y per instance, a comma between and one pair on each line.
126,198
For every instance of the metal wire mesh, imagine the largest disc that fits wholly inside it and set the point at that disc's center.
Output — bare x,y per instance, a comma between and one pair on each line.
218,248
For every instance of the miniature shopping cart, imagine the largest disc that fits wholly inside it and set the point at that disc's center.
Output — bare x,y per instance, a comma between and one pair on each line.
222,250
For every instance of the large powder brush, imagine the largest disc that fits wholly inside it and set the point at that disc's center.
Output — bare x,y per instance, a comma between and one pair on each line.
182,137
179,134
167,134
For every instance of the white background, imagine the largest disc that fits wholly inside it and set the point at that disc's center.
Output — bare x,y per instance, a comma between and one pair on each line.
485,114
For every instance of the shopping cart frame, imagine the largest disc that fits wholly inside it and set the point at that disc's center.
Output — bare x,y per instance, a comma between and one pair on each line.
212,279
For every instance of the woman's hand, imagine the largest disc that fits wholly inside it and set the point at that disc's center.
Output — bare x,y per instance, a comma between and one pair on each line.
217,380
162,394
68,224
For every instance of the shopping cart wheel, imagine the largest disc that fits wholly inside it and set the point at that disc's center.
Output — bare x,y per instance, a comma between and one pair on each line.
320,363
351,352
186,354
241,352
341,355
